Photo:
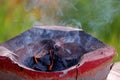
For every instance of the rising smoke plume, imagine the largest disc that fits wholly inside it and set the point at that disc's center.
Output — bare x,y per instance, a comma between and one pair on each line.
93,14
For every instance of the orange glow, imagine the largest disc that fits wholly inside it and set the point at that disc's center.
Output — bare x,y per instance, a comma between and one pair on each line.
35,59
51,65
52,62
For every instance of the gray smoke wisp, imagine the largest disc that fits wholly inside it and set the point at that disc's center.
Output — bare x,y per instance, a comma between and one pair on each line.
94,14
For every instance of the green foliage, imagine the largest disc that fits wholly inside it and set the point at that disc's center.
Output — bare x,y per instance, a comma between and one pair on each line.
12,20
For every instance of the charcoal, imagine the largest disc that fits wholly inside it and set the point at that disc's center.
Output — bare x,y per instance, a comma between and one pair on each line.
52,58
64,62
58,65
29,62
40,67
56,48
45,60
49,43
72,62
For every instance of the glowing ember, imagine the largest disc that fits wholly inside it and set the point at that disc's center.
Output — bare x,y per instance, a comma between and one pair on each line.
52,61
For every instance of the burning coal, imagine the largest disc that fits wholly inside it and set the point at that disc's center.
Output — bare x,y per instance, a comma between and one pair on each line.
49,58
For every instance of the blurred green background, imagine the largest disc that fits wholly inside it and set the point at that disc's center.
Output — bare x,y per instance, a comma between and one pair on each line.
101,18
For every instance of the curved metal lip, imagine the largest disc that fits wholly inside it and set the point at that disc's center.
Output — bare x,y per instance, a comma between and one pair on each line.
67,28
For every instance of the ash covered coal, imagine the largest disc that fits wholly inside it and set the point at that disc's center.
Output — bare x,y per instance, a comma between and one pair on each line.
49,59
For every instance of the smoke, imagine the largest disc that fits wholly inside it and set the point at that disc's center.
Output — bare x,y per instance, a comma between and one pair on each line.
93,14
51,10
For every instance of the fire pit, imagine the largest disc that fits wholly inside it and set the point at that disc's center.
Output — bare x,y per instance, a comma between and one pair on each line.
55,53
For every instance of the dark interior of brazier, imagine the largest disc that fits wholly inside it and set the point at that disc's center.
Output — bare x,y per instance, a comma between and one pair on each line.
52,50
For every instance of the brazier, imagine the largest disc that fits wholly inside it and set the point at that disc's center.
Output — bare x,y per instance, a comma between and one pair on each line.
81,56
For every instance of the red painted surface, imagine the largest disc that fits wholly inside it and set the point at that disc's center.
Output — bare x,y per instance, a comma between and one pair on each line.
91,62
